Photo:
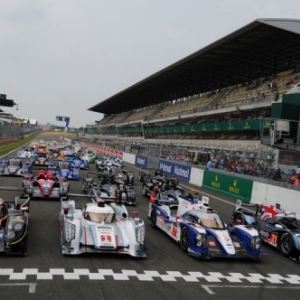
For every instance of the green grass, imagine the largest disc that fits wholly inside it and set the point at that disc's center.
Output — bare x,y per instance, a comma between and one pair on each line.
6,148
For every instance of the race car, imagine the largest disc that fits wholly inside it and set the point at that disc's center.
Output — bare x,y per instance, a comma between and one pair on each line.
45,185
89,155
77,161
42,143
116,174
276,227
14,216
15,166
103,226
25,153
40,159
201,232
104,188
66,170
147,173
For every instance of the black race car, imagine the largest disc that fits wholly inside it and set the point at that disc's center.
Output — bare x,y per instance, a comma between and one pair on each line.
276,227
14,217
104,188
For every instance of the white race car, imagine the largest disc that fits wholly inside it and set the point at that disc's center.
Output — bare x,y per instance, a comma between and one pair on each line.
25,153
102,226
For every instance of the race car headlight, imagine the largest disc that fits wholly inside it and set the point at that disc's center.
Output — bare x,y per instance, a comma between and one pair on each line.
18,227
69,231
255,242
200,240
140,234
15,230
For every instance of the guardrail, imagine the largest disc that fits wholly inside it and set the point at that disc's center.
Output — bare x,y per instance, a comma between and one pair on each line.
7,140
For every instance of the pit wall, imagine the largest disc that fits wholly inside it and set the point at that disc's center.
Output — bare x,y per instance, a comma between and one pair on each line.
236,187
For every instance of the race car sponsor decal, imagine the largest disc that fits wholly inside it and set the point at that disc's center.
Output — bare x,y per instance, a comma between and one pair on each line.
237,245
107,237
174,230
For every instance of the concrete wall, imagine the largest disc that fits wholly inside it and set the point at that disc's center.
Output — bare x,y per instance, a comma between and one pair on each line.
271,194
196,176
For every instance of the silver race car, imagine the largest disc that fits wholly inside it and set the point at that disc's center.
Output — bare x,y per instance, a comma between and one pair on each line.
102,226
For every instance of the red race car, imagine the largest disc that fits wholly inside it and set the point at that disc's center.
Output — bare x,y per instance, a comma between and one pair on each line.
45,185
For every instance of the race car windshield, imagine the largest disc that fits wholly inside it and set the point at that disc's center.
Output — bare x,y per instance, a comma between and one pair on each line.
14,162
64,165
211,220
101,217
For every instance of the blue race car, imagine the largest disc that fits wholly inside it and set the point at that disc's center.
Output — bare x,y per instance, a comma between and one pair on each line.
15,166
201,232
66,170
77,162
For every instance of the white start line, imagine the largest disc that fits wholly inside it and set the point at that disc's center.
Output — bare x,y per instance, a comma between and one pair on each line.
103,274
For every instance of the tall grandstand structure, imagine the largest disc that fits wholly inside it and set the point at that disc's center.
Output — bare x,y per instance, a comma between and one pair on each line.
226,99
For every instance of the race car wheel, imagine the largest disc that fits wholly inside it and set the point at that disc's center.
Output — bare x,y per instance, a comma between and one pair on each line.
144,191
153,218
184,239
84,189
287,244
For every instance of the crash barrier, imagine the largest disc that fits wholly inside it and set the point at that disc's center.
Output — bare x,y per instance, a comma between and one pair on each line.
129,158
234,186
182,172
7,140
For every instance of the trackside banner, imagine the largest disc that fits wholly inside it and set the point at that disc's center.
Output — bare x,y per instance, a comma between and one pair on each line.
141,161
183,173
230,185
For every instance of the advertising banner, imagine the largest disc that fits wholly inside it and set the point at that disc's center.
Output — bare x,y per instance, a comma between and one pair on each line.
233,186
183,173
141,161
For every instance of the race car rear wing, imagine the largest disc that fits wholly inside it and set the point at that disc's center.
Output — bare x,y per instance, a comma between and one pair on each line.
92,196
240,204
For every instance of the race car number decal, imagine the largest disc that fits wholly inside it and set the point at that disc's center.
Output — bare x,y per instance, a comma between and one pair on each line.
273,239
106,238
106,241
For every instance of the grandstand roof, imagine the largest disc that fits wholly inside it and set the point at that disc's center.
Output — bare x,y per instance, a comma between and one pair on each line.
261,48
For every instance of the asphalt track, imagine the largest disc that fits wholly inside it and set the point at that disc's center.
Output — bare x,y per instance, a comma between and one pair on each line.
166,273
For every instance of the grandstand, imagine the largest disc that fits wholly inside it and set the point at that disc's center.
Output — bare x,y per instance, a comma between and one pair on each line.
223,100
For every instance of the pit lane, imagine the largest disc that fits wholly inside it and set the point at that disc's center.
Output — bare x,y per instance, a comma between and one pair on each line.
166,273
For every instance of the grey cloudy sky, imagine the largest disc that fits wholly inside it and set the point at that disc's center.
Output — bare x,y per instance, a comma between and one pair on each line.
59,58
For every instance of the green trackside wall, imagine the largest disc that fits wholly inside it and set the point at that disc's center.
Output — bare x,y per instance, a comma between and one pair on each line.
229,185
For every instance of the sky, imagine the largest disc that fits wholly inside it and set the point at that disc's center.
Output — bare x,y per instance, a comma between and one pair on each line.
60,58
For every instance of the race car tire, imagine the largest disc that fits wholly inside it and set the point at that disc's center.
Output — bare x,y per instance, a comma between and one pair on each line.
144,191
184,239
84,189
20,249
287,244
153,218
